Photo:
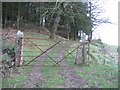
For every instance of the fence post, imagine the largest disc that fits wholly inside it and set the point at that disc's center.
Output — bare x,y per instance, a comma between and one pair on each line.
83,53
81,56
19,48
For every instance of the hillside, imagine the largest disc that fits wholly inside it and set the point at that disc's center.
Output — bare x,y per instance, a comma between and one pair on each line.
106,52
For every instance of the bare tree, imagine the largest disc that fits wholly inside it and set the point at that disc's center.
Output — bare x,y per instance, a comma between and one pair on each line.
95,10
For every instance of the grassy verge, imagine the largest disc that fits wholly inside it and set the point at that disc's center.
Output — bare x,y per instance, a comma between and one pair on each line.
99,76
14,82
96,75
100,56
71,57
52,77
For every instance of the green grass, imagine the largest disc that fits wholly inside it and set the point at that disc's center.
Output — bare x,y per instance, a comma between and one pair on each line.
52,77
70,58
99,76
51,74
15,82
30,55
48,62
100,56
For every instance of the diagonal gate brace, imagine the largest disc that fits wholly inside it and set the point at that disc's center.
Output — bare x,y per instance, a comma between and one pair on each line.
42,53
66,55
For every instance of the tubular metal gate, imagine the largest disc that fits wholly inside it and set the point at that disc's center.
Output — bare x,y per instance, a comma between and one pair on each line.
43,48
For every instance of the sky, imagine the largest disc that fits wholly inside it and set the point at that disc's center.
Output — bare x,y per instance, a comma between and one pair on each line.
109,32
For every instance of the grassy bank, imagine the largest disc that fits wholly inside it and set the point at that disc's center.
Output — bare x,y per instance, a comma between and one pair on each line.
97,75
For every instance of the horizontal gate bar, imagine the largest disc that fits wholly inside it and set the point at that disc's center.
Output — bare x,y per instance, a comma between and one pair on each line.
36,38
70,67
43,52
43,56
44,60
30,51
47,58
36,44
50,45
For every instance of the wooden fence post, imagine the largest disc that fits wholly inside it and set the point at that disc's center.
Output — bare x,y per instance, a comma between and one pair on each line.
82,55
79,57
19,48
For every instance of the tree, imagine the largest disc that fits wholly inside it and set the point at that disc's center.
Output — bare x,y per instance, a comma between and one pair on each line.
95,10
51,15
73,13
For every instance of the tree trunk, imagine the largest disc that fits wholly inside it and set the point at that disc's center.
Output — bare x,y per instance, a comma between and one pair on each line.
18,17
74,34
55,26
56,22
90,35
88,53
5,24
83,53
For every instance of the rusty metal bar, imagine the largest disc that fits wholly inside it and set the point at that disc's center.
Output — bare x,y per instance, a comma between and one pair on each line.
50,66
56,46
40,57
28,56
31,51
26,60
36,38
50,45
37,45
42,53
48,57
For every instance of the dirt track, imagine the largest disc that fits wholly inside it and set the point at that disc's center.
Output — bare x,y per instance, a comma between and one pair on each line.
34,79
71,79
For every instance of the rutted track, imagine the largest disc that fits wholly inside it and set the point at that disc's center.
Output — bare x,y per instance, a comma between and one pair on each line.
71,79
35,79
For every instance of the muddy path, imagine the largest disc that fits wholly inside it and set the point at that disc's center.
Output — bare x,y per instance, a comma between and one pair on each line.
71,80
35,79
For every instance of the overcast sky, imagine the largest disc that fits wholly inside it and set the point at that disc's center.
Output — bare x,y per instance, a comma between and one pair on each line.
107,32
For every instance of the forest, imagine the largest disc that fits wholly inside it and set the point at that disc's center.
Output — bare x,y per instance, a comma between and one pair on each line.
64,18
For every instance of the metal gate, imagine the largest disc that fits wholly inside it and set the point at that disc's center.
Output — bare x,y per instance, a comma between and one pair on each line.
46,48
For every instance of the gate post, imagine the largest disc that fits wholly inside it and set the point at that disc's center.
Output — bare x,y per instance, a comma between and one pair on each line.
83,53
81,56
19,48
83,49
